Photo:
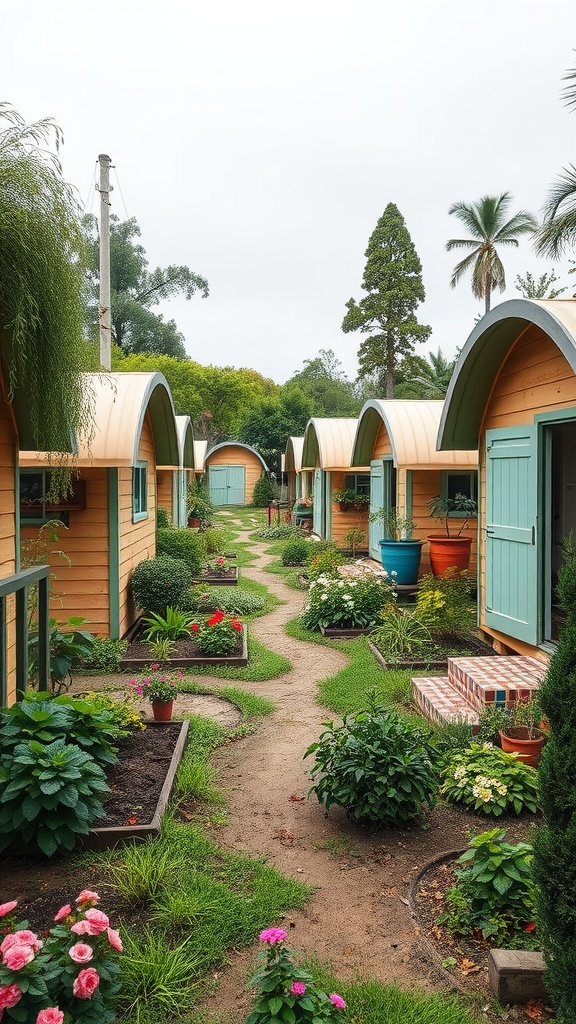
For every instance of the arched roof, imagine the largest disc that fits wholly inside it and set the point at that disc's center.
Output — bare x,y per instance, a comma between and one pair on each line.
120,402
486,350
199,455
186,443
293,456
236,444
412,428
328,443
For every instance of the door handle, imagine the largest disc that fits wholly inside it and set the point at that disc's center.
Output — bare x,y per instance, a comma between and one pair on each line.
489,529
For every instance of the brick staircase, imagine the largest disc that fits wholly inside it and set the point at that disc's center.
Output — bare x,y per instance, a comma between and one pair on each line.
473,682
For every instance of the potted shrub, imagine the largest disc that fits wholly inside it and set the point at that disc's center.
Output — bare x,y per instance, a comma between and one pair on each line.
350,500
450,550
161,691
399,553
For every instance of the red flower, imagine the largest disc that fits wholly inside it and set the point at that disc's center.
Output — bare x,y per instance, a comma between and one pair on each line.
530,927
194,627
216,618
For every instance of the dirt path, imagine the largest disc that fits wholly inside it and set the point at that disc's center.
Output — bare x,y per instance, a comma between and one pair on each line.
358,917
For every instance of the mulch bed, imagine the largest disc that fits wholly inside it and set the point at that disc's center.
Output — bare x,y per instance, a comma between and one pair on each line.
186,654
137,779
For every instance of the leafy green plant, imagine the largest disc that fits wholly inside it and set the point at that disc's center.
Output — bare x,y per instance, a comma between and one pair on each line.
323,561
263,493
349,496
213,541
233,600
181,543
73,719
353,539
218,566
492,719
296,551
161,583
400,635
105,655
121,712
347,602
67,648
396,524
460,505
444,604
376,765
161,687
156,971
50,795
162,519
486,779
173,625
219,635
198,503
495,891
280,532
161,648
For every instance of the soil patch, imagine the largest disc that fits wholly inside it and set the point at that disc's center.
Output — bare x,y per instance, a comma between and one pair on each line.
185,654
137,779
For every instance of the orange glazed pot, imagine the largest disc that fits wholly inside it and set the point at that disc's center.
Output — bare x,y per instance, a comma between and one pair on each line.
449,553
162,710
516,741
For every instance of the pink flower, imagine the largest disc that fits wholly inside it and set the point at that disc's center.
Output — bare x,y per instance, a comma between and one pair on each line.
86,983
298,988
5,908
114,939
272,935
81,952
63,912
337,1001
17,956
97,921
9,996
24,937
82,928
51,1015
87,896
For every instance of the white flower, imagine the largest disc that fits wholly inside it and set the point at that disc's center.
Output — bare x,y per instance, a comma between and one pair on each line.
323,597
459,772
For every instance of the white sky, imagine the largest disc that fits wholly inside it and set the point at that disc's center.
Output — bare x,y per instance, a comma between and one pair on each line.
259,143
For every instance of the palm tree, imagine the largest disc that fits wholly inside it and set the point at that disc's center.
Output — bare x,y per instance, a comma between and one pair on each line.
489,227
424,378
558,232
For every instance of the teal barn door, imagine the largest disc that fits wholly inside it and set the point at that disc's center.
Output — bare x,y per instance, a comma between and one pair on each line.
226,485
376,529
512,600
235,484
318,506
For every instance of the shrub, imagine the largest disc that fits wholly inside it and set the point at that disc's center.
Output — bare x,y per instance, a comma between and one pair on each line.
198,503
232,600
159,583
486,779
295,552
105,655
377,766
347,602
280,532
218,635
323,562
162,519
67,649
495,892
121,712
50,795
443,604
401,635
213,541
263,493
183,544
73,719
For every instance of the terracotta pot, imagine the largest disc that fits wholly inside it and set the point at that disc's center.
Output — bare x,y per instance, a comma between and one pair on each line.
449,553
515,741
162,710
193,523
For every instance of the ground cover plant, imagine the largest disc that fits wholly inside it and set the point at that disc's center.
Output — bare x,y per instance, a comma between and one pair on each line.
489,781
349,602
296,551
233,600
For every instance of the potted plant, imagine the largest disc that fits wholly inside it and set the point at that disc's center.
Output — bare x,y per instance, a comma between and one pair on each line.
350,500
521,733
399,553
451,550
199,508
161,691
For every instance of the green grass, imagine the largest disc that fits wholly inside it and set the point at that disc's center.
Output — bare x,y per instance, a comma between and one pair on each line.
262,664
250,705
260,590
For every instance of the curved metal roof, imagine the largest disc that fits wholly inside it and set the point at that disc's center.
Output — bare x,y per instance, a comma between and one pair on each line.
120,402
486,350
185,436
236,444
199,455
328,443
412,428
293,455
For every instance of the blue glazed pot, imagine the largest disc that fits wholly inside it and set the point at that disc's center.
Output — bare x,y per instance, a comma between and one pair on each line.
401,557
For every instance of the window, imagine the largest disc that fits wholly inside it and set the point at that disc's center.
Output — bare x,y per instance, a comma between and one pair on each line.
139,491
460,482
359,482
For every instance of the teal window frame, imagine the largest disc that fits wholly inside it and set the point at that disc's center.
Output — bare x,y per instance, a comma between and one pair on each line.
359,482
471,490
139,491
47,515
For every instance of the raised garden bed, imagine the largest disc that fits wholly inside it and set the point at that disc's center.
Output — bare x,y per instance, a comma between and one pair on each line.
335,632
141,784
475,648
186,655
229,578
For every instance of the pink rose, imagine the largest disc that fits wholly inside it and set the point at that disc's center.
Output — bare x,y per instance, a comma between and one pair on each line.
97,921
86,983
81,928
63,912
5,908
51,1015
273,935
337,1001
24,937
114,939
17,956
298,988
87,896
9,996
81,952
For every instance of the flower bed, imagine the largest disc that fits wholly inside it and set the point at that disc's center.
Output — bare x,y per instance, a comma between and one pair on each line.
226,578
186,654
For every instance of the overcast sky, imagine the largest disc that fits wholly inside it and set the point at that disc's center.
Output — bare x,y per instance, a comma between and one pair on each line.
259,142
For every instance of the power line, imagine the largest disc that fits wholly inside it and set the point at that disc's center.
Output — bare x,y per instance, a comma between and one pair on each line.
120,190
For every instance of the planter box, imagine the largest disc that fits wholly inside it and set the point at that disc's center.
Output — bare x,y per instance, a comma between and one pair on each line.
106,836
137,661
219,580
435,664
334,631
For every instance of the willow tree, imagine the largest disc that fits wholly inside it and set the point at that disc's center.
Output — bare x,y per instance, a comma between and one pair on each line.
42,267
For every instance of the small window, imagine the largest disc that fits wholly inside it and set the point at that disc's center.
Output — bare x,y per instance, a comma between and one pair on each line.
460,482
359,482
139,491
34,486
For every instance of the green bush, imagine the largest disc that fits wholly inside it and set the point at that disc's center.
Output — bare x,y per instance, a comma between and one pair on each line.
280,532
183,544
295,552
218,636
162,519
105,655
213,541
232,600
263,493
444,604
349,602
486,779
159,583
198,502
323,560
377,766
44,719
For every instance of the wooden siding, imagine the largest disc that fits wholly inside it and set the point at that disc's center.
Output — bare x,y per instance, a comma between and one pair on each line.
233,455
137,540
164,491
8,448
426,484
382,445
344,521
82,588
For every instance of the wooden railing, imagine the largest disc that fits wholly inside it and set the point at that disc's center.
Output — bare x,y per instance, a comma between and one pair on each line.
18,585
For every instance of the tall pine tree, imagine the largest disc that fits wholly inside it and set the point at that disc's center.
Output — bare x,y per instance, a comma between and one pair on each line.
393,281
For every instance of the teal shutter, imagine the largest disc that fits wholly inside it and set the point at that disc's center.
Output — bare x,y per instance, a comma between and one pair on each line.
235,485
318,507
217,480
375,529
511,532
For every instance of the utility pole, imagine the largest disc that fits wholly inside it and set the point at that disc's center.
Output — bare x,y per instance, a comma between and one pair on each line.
105,313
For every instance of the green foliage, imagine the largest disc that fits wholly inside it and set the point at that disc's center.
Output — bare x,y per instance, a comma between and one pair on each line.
162,519
198,503
105,655
138,876
66,650
276,980
492,720
323,560
554,862
219,636
156,971
397,526
213,541
161,583
42,260
279,532
233,600
377,766
450,737
161,648
387,313
181,543
121,712
173,625
353,538
267,424
486,779
50,795
538,288
424,378
442,508
401,635
444,604
74,719
495,892
263,493
349,602
349,496
296,551
325,385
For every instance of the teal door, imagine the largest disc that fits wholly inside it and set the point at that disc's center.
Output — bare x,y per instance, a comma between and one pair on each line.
375,529
512,604
226,485
318,506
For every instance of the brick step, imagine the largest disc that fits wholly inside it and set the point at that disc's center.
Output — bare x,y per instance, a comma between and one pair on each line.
501,681
439,700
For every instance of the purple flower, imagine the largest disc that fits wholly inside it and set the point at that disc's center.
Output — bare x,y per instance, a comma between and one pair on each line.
272,935
337,1001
